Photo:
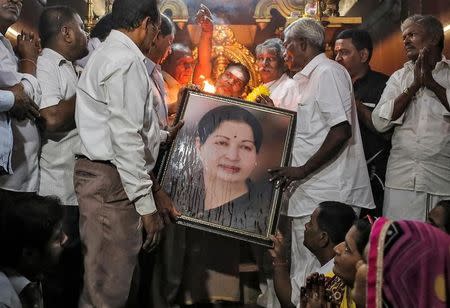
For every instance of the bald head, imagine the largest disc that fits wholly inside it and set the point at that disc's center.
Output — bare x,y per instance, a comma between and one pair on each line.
180,63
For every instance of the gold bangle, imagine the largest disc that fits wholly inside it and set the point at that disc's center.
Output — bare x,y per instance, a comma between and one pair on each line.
29,60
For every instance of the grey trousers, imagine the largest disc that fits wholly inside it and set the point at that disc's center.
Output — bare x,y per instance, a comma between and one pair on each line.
110,233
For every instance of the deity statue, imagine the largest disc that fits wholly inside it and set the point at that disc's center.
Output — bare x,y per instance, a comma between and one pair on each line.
331,8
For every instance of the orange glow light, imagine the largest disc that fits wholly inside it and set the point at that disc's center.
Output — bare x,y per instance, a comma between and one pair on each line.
207,86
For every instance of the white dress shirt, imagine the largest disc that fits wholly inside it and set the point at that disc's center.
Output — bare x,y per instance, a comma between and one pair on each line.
159,96
10,289
284,92
420,154
6,142
26,137
115,117
58,81
326,99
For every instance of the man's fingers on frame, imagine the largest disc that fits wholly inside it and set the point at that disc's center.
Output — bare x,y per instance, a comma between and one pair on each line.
166,218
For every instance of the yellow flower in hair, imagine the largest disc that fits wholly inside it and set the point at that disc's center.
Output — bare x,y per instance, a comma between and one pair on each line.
259,90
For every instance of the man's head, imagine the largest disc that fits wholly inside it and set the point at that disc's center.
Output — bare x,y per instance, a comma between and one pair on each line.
328,225
139,19
31,236
419,31
269,59
61,29
353,49
180,64
439,216
162,46
233,80
9,13
303,40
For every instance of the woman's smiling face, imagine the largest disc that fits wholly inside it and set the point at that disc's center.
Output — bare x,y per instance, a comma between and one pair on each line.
229,153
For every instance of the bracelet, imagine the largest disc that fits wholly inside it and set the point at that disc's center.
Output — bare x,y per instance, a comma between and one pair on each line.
28,60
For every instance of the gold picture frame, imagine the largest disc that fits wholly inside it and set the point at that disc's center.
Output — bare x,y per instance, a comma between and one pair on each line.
216,169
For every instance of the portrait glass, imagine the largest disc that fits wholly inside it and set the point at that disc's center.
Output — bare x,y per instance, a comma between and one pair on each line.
216,169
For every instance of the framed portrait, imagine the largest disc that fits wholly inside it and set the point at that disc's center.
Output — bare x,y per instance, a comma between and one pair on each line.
216,168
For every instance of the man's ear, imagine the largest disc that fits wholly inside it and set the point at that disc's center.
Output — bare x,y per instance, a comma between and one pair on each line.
434,40
145,23
67,33
303,44
324,239
364,55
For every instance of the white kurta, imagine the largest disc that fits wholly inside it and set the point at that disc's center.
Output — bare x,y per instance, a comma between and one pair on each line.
326,99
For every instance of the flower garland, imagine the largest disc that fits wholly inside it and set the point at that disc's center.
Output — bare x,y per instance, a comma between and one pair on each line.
259,90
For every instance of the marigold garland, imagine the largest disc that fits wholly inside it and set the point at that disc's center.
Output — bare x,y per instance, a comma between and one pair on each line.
259,90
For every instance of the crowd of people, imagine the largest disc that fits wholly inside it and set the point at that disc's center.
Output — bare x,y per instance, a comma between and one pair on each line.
84,122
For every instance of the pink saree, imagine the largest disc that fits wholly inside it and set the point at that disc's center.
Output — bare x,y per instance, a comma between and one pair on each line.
408,265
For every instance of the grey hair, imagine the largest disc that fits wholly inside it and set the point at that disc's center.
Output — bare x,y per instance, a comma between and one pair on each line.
273,44
432,26
309,29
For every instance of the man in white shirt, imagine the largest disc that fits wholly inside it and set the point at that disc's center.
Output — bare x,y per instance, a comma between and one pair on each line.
20,74
416,103
327,156
157,54
271,67
177,73
63,40
327,227
119,133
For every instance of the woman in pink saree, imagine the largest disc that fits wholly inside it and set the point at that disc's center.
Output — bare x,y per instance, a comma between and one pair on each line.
408,265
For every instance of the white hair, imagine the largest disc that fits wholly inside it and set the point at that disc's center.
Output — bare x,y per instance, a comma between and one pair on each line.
309,29
272,44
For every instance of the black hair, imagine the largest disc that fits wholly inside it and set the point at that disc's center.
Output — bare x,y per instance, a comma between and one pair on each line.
445,204
129,14
27,220
52,19
103,27
335,218
360,39
214,117
242,67
167,26
363,226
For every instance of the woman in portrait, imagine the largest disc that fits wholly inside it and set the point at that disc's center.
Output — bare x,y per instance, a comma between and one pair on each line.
227,144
